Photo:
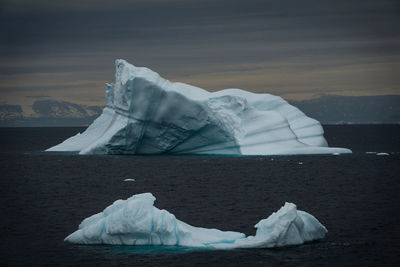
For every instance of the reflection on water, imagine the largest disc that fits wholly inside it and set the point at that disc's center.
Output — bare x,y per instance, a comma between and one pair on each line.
118,250
143,250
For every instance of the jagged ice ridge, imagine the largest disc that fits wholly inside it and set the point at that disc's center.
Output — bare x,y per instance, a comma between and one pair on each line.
147,114
136,221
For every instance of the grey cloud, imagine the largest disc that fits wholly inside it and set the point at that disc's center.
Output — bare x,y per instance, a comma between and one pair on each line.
38,88
37,96
198,39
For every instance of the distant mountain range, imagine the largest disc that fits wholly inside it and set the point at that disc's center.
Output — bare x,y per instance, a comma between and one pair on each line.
49,113
328,109
335,109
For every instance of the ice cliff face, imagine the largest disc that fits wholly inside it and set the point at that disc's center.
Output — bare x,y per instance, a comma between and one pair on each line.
146,114
136,221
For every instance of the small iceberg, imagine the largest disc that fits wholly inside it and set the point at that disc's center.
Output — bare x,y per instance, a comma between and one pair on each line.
382,154
129,180
136,221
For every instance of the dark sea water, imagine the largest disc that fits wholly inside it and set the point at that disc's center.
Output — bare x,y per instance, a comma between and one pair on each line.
45,196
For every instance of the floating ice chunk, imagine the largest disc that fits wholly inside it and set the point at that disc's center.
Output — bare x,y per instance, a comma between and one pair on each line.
382,154
136,221
146,114
129,180
300,163
288,226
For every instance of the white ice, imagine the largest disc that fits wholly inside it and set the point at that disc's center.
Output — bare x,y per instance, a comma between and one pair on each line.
136,221
382,154
147,114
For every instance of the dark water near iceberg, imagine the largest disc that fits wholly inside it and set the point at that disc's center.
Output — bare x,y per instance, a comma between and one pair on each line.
45,196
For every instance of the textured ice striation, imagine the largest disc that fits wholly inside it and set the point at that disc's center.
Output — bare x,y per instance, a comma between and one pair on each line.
146,114
136,221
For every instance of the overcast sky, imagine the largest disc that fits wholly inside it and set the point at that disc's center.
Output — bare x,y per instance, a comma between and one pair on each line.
296,49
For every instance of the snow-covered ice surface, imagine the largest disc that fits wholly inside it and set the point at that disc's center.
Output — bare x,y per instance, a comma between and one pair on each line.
147,114
136,221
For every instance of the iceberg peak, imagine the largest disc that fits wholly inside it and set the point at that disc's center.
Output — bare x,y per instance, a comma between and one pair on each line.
147,114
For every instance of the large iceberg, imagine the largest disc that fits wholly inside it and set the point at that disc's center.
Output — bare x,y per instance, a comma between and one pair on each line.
147,114
136,221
